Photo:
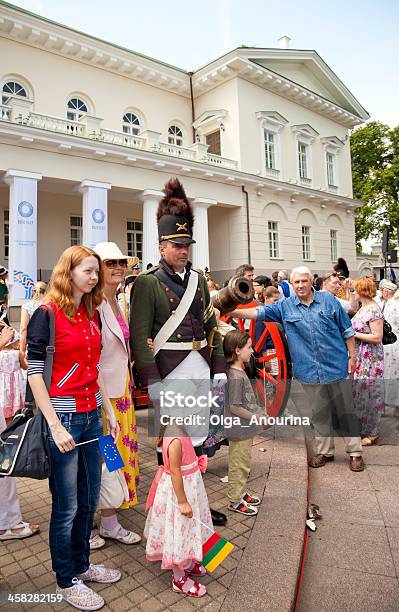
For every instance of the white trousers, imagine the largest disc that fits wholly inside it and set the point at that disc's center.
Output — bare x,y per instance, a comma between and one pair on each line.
10,511
193,368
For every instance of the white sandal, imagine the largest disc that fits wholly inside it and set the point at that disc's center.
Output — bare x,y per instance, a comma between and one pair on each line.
114,534
25,533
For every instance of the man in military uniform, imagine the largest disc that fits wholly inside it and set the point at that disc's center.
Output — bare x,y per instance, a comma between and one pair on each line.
184,354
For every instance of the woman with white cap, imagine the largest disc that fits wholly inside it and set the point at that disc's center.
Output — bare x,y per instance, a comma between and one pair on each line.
115,366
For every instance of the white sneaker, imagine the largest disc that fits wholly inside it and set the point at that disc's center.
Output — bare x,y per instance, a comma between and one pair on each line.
96,542
99,573
80,596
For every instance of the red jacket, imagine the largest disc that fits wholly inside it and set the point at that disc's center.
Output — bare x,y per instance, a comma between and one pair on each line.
76,357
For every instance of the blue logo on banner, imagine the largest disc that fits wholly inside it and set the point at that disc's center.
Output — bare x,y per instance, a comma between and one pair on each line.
25,209
25,280
98,215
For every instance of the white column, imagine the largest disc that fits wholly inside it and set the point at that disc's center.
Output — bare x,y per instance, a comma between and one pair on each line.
95,212
151,199
23,234
200,232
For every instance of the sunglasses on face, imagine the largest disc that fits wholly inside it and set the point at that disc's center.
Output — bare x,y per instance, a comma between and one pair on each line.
38,290
115,263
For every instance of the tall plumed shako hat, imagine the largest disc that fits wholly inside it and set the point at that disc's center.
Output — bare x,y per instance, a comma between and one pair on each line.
175,216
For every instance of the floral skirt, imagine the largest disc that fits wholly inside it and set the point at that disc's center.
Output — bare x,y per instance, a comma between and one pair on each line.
172,538
127,441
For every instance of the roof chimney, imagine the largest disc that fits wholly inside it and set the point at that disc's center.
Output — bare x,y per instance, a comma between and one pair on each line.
284,42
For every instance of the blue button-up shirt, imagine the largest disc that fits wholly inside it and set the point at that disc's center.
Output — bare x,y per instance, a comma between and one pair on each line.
316,335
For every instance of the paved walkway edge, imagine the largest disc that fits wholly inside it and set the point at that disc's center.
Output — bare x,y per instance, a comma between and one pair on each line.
268,573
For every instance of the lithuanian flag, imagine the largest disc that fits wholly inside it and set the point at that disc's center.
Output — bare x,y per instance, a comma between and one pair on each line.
214,551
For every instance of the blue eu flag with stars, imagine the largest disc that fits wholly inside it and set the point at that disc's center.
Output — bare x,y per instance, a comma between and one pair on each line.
109,451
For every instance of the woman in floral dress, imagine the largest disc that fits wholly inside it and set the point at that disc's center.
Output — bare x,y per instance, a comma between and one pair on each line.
115,367
391,355
368,383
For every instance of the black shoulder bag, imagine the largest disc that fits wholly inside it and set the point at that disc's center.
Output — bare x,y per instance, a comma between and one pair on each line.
388,336
24,447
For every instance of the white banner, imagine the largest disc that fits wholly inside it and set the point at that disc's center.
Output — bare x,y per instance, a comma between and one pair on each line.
95,215
23,238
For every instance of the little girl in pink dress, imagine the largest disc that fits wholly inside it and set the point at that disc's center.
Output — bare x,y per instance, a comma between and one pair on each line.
179,519
12,383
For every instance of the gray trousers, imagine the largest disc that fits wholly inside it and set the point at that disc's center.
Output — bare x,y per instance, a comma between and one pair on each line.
333,412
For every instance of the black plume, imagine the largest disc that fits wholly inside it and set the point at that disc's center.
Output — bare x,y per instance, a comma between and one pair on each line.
175,202
342,266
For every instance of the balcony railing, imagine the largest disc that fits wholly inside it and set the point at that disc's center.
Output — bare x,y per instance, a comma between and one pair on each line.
55,124
90,127
304,180
5,112
333,188
272,172
223,162
176,151
120,138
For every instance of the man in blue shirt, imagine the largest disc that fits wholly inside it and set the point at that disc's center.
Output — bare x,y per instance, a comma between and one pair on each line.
320,337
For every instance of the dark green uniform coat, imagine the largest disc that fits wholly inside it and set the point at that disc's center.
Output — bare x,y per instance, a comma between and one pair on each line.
151,305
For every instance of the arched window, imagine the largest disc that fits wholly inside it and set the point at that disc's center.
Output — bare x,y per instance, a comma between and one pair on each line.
175,136
76,108
131,124
11,89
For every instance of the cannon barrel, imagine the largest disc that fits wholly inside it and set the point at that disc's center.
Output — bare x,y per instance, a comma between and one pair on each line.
238,291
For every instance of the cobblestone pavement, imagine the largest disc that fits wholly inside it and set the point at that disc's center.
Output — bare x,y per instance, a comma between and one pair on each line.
25,565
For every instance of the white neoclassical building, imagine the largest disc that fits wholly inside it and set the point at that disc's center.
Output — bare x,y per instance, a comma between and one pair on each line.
90,132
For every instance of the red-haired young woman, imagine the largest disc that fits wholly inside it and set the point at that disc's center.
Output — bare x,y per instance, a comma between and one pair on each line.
72,410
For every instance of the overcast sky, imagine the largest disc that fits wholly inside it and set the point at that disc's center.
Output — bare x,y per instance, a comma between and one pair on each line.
357,38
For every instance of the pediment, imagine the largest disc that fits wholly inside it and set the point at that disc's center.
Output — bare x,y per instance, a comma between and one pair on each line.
209,116
332,141
304,129
311,72
272,117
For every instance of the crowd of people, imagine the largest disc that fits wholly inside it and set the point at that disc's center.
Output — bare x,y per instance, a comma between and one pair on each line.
116,328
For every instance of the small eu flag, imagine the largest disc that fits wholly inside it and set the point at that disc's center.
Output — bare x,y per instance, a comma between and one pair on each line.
110,452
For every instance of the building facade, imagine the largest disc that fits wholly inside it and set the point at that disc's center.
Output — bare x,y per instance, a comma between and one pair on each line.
90,132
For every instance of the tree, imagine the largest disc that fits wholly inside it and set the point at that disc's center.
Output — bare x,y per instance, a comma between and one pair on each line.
375,173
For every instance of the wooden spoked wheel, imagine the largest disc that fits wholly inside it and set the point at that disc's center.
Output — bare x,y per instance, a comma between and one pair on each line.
271,389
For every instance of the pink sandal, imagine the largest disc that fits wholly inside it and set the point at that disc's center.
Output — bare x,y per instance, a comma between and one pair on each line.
197,590
197,570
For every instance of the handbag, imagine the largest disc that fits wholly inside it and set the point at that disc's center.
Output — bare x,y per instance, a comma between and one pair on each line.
388,336
24,446
113,491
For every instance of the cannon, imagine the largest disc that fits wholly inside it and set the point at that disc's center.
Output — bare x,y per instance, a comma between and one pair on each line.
239,291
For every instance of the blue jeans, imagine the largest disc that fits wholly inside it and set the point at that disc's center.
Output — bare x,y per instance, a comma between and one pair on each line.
75,487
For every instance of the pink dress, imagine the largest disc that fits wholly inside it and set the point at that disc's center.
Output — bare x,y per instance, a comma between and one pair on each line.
172,538
12,383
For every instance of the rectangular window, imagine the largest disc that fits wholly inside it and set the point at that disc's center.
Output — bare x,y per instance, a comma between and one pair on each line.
213,140
306,251
273,239
135,239
6,232
302,160
270,154
76,230
334,244
330,169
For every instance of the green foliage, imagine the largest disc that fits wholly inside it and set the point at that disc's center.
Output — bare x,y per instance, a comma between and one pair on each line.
375,173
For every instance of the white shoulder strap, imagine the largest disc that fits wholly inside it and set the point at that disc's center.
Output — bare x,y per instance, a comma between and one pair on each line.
177,317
